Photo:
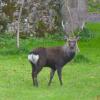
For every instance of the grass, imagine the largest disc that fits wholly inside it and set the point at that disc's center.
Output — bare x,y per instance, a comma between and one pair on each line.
81,77
94,7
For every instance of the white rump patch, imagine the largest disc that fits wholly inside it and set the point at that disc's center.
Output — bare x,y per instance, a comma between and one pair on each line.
33,58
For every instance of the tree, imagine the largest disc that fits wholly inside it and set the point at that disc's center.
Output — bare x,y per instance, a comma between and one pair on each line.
73,14
19,19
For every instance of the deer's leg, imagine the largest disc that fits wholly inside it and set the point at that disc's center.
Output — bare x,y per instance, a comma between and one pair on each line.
33,69
37,70
51,76
59,72
35,79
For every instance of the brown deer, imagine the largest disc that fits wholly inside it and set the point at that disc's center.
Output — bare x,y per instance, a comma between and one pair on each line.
52,57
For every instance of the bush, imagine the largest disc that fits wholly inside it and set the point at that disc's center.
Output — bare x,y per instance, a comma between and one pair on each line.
3,25
86,34
81,58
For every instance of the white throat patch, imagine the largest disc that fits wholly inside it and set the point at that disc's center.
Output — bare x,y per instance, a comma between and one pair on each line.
33,58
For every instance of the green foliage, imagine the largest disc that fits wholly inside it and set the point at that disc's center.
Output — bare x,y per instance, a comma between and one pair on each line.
81,59
90,31
94,6
23,35
3,24
9,9
9,47
41,28
86,34
25,12
56,36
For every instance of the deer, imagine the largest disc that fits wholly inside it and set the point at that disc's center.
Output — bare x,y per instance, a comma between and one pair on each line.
53,57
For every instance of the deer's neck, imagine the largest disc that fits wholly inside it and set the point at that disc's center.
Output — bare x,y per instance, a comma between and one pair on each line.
68,53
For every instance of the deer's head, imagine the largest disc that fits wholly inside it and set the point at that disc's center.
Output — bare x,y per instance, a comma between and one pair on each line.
72,41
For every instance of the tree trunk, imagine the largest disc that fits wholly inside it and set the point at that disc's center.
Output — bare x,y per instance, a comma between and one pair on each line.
19,18
73,14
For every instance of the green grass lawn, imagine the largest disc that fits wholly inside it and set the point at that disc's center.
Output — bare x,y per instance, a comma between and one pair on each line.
81,77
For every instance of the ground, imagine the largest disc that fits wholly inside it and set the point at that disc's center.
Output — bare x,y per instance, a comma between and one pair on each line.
81,77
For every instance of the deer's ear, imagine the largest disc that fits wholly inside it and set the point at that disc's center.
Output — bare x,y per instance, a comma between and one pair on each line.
77,37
